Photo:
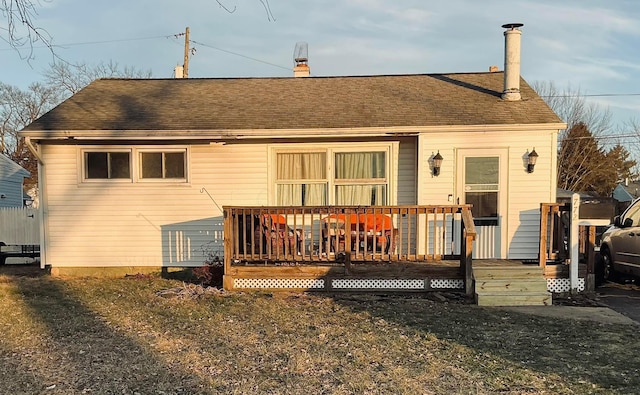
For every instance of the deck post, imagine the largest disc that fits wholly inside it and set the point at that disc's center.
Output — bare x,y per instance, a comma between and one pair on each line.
544,225
590,281
466,253
468,263
574,243
227,281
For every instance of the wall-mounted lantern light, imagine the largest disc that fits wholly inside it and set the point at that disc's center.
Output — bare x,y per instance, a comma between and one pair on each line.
533,157
437,163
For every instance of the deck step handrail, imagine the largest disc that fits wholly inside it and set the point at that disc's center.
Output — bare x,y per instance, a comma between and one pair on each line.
555,224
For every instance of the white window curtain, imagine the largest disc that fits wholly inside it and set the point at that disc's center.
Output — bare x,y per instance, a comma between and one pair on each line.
358,176
301,179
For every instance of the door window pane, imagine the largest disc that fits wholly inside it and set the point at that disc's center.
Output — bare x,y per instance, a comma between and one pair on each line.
481,170
485,204
481,185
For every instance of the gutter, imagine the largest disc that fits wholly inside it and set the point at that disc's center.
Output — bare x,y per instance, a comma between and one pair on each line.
245,134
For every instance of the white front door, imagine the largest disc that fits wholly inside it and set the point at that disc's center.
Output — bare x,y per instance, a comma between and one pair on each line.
482,183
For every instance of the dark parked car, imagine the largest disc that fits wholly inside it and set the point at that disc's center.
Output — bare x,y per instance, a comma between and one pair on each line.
620,247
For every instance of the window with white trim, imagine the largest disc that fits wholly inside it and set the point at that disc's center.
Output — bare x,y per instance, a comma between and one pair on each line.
301,178
162,164
332,176
150,164
107,165
360,178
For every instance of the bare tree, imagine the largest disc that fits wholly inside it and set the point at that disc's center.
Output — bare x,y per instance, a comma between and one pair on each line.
572,107
71,78
20,30
18,108
582,164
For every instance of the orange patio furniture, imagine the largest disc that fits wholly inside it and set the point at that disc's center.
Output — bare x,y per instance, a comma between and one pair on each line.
368,232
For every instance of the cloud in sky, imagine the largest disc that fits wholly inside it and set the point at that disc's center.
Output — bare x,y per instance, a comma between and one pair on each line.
592,45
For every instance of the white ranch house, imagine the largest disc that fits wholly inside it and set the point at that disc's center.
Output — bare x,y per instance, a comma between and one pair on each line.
134,173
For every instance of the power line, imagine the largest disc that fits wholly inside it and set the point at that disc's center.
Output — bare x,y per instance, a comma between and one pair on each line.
153,38
604,137
95,42
592,95
241,55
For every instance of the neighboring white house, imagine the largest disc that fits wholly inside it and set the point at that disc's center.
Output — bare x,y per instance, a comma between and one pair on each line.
12,177
133,172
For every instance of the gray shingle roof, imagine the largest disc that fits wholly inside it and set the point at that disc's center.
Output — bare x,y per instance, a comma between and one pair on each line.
295,103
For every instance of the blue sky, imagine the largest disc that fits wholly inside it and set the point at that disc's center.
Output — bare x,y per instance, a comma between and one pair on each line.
590,45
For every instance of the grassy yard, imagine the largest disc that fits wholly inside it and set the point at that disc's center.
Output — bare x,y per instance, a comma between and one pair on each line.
96,336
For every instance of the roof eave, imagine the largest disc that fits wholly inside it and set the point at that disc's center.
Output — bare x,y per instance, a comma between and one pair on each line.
243,134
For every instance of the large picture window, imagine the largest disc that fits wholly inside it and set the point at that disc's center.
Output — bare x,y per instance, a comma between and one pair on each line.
332,177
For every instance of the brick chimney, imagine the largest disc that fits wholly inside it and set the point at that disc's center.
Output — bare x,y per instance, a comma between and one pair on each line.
512,61
301,57
301,70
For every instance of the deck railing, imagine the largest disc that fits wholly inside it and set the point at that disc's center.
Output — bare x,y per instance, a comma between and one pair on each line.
329,235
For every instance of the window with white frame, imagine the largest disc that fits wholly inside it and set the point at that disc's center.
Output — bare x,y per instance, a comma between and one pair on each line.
150,164
162,164
332,176
360,178
301,178
107,164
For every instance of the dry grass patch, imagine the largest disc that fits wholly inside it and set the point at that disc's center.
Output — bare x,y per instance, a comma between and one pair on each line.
120,336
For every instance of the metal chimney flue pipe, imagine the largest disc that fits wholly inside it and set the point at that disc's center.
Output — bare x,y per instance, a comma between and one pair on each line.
512,61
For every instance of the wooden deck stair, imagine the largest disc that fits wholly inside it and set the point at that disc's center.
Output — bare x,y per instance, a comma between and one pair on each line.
518,285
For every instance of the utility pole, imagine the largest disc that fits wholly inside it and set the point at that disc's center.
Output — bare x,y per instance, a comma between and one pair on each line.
186,53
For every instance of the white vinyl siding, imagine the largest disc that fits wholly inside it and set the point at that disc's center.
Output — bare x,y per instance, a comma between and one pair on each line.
407,172
147,224
525,191
102,224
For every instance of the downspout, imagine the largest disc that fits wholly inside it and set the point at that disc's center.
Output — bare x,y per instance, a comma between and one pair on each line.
33,150
43,202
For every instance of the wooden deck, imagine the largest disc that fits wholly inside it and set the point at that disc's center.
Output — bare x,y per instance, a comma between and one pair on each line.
419,248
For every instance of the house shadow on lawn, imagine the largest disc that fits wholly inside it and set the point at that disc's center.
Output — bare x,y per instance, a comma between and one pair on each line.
87,354
23,270
579,352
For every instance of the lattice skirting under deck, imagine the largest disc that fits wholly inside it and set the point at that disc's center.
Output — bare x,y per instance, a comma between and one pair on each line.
559,285
346,284
278,283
